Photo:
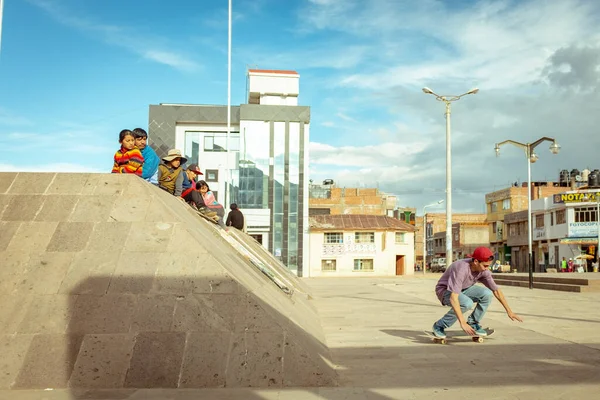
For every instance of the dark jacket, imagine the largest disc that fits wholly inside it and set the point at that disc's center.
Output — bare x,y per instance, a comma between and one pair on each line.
235,219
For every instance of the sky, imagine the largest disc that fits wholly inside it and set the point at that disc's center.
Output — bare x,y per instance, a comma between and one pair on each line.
73,73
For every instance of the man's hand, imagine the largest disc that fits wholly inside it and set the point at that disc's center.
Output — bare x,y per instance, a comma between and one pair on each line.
514,316
467,328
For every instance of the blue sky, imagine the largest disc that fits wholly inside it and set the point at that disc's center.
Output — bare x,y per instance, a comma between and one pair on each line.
74,73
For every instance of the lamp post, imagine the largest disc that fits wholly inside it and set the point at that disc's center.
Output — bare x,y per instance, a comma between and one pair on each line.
227,166
531,158
448,100
425,234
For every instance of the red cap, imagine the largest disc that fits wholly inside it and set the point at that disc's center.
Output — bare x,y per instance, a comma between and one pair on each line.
482,254
195,168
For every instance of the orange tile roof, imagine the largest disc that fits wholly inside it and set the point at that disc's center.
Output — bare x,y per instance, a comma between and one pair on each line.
273,71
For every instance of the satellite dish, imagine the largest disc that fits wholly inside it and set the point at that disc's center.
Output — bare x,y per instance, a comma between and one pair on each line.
578,178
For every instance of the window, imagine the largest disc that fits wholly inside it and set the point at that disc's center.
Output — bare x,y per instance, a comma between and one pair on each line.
328,265
493,207
561,217
513,229
551,219
362,264
219,143
216,193
364,237
400,237
539,221
506,204
585,214
212,175
334,237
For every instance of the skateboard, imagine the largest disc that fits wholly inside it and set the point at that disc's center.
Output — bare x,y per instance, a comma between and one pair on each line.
476,339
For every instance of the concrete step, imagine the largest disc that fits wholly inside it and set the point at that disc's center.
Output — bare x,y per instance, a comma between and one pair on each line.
569,278
564,287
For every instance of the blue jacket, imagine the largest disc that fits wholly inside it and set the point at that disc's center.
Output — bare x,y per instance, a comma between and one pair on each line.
151,161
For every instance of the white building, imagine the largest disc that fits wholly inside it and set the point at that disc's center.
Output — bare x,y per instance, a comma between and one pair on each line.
360,245
261,164
564,225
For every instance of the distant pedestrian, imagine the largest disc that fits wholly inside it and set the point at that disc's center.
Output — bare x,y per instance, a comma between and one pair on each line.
128,159
563,265
151,160
235,217
570,265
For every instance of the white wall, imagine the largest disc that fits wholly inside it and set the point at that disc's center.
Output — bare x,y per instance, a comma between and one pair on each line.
270,84
384,260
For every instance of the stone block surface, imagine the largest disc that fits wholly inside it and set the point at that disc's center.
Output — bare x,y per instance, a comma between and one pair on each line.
153,313
13,265
156,360
49,362
103,361
108,235
92,209
44,273
205,360
6,180
92,314
70,236
90,273
31,183
57,208
149,237
32,237
199,313
13,349
135,273
47,314
23,207
256,360
7,231
130,208
68,183
13,311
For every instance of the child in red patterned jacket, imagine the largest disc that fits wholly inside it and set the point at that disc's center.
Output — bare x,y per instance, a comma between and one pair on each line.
128,159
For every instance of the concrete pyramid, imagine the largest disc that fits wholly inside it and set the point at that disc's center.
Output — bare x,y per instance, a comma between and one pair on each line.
109,282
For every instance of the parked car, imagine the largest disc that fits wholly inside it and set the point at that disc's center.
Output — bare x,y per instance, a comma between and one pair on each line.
438,264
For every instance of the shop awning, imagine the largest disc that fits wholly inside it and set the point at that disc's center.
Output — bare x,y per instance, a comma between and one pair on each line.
593,240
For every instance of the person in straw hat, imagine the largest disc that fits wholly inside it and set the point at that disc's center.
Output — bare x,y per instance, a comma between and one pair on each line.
170,173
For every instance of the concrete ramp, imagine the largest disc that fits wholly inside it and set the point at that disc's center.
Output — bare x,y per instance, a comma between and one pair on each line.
109,282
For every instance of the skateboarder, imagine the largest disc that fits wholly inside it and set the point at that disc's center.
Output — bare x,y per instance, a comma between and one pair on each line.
457,288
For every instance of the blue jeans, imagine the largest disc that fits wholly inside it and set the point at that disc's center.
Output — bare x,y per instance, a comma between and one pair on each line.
474,294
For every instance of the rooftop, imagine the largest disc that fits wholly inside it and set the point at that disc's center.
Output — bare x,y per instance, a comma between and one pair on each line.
358,222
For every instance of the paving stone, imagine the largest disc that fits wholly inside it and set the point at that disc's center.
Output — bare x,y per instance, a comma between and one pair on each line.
47,314
205,360
112,185
109,235
103,361
6,179
135,273
13,349
7,231
31,183
90,273
70,236
32,237
203,313
153,313
102,314
180,273
45,273
13,266
49,362
156,360
57,208
13,311
256,360
68,183
149,237
23,207
92,209
130,208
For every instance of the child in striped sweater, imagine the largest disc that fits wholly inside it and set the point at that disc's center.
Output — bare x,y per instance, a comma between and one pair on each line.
128,159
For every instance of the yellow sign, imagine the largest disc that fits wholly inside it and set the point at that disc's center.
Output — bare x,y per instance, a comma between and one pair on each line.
576,197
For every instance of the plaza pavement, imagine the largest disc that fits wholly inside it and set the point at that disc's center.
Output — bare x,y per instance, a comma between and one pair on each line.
374,328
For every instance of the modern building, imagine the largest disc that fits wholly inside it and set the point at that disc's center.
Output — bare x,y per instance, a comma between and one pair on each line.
564,225
260,162
360,245
507,201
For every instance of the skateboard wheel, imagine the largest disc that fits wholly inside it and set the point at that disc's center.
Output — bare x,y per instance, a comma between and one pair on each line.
478,339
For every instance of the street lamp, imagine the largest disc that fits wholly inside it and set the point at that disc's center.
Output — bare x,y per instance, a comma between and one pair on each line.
531,158
447,100
425,234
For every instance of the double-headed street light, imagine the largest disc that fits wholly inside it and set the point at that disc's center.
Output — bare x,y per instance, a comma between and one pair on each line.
531,158
447,100
425,234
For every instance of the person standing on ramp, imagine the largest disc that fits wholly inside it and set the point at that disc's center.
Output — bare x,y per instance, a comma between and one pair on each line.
457,288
